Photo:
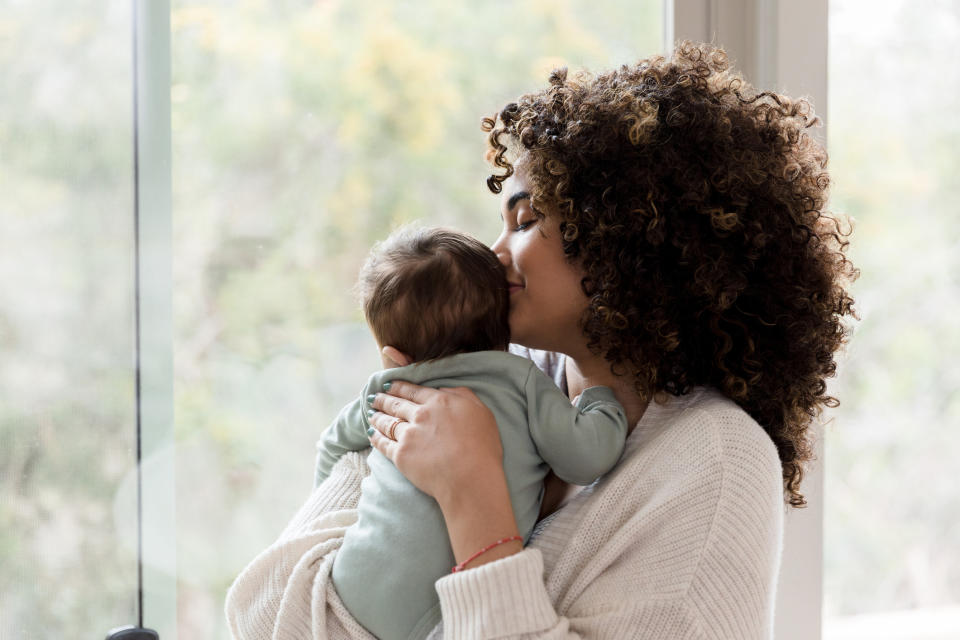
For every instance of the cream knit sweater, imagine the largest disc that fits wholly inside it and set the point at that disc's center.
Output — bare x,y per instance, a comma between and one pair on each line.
680,540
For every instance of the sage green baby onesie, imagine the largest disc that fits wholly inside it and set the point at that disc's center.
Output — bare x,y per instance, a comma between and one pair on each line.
391,557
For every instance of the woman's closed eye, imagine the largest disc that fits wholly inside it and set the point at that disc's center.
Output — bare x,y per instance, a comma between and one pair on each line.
527,220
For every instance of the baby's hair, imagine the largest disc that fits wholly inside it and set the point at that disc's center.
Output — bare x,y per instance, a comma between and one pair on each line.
433,292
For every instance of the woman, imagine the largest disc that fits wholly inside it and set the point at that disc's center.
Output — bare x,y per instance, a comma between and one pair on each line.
664,235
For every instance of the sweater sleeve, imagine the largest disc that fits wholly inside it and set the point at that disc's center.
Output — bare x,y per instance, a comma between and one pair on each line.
347,433
582,442
502,584
286,591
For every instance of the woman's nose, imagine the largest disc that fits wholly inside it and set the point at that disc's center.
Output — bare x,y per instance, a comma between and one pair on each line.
500,249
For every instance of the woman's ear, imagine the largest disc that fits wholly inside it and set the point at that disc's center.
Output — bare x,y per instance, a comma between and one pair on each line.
393,357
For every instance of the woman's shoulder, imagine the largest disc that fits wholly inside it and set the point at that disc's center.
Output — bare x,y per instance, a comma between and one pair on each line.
706,420
701,447
697,467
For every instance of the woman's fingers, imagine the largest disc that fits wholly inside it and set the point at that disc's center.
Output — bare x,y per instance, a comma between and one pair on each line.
406,400
394,407
387,425
384,445
415,393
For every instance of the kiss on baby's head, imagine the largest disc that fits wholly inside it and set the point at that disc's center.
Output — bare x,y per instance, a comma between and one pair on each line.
432,292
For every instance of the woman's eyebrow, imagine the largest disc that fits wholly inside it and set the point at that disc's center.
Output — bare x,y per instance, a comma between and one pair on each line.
515,198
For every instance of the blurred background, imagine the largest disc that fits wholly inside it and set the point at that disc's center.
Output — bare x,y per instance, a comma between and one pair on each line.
302,132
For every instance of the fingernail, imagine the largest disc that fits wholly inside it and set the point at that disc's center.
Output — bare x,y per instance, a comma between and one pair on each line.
386,386
369,431
370,412
370,398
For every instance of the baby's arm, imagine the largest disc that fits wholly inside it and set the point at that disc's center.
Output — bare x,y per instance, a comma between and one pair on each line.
582,442
347,433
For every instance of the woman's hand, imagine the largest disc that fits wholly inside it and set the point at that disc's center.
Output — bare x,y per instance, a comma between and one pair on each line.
445,440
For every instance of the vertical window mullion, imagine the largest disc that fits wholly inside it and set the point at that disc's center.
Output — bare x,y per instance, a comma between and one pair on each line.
154,317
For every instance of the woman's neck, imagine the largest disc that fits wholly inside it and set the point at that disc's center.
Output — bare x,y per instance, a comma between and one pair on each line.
593,371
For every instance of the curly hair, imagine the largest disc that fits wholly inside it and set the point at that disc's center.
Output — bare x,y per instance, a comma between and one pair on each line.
695,206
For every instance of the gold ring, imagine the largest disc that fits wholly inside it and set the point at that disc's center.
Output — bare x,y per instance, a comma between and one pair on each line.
392,429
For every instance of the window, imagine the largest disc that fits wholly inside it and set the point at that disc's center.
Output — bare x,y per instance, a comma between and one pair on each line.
67,440
892,517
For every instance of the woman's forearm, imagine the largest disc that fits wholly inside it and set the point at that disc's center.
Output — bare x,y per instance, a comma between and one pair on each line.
479,516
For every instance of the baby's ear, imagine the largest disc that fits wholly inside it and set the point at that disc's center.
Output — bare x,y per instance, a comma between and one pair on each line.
393,357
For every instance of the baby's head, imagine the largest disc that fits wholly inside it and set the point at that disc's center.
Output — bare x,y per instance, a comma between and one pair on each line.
433,292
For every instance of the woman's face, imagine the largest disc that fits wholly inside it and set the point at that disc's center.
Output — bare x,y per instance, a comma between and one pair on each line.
546,300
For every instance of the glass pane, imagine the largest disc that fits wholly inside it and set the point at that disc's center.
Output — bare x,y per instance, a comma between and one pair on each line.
302,132
893,511
67,416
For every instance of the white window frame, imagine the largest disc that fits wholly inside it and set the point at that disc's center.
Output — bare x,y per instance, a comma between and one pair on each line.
779,45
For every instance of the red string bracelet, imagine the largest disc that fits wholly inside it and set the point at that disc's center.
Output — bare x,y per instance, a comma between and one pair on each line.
463,565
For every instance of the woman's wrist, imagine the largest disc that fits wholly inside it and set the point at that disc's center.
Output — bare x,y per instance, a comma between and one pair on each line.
479,516
476,554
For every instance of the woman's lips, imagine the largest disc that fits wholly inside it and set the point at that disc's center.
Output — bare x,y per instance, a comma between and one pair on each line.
513,286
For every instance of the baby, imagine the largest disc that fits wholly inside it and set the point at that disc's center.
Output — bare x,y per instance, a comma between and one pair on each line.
440,298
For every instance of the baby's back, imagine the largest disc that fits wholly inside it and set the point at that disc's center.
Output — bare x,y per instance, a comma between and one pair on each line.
390,559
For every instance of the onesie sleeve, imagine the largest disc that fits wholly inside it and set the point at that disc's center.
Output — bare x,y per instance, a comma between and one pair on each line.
347,433
579,442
